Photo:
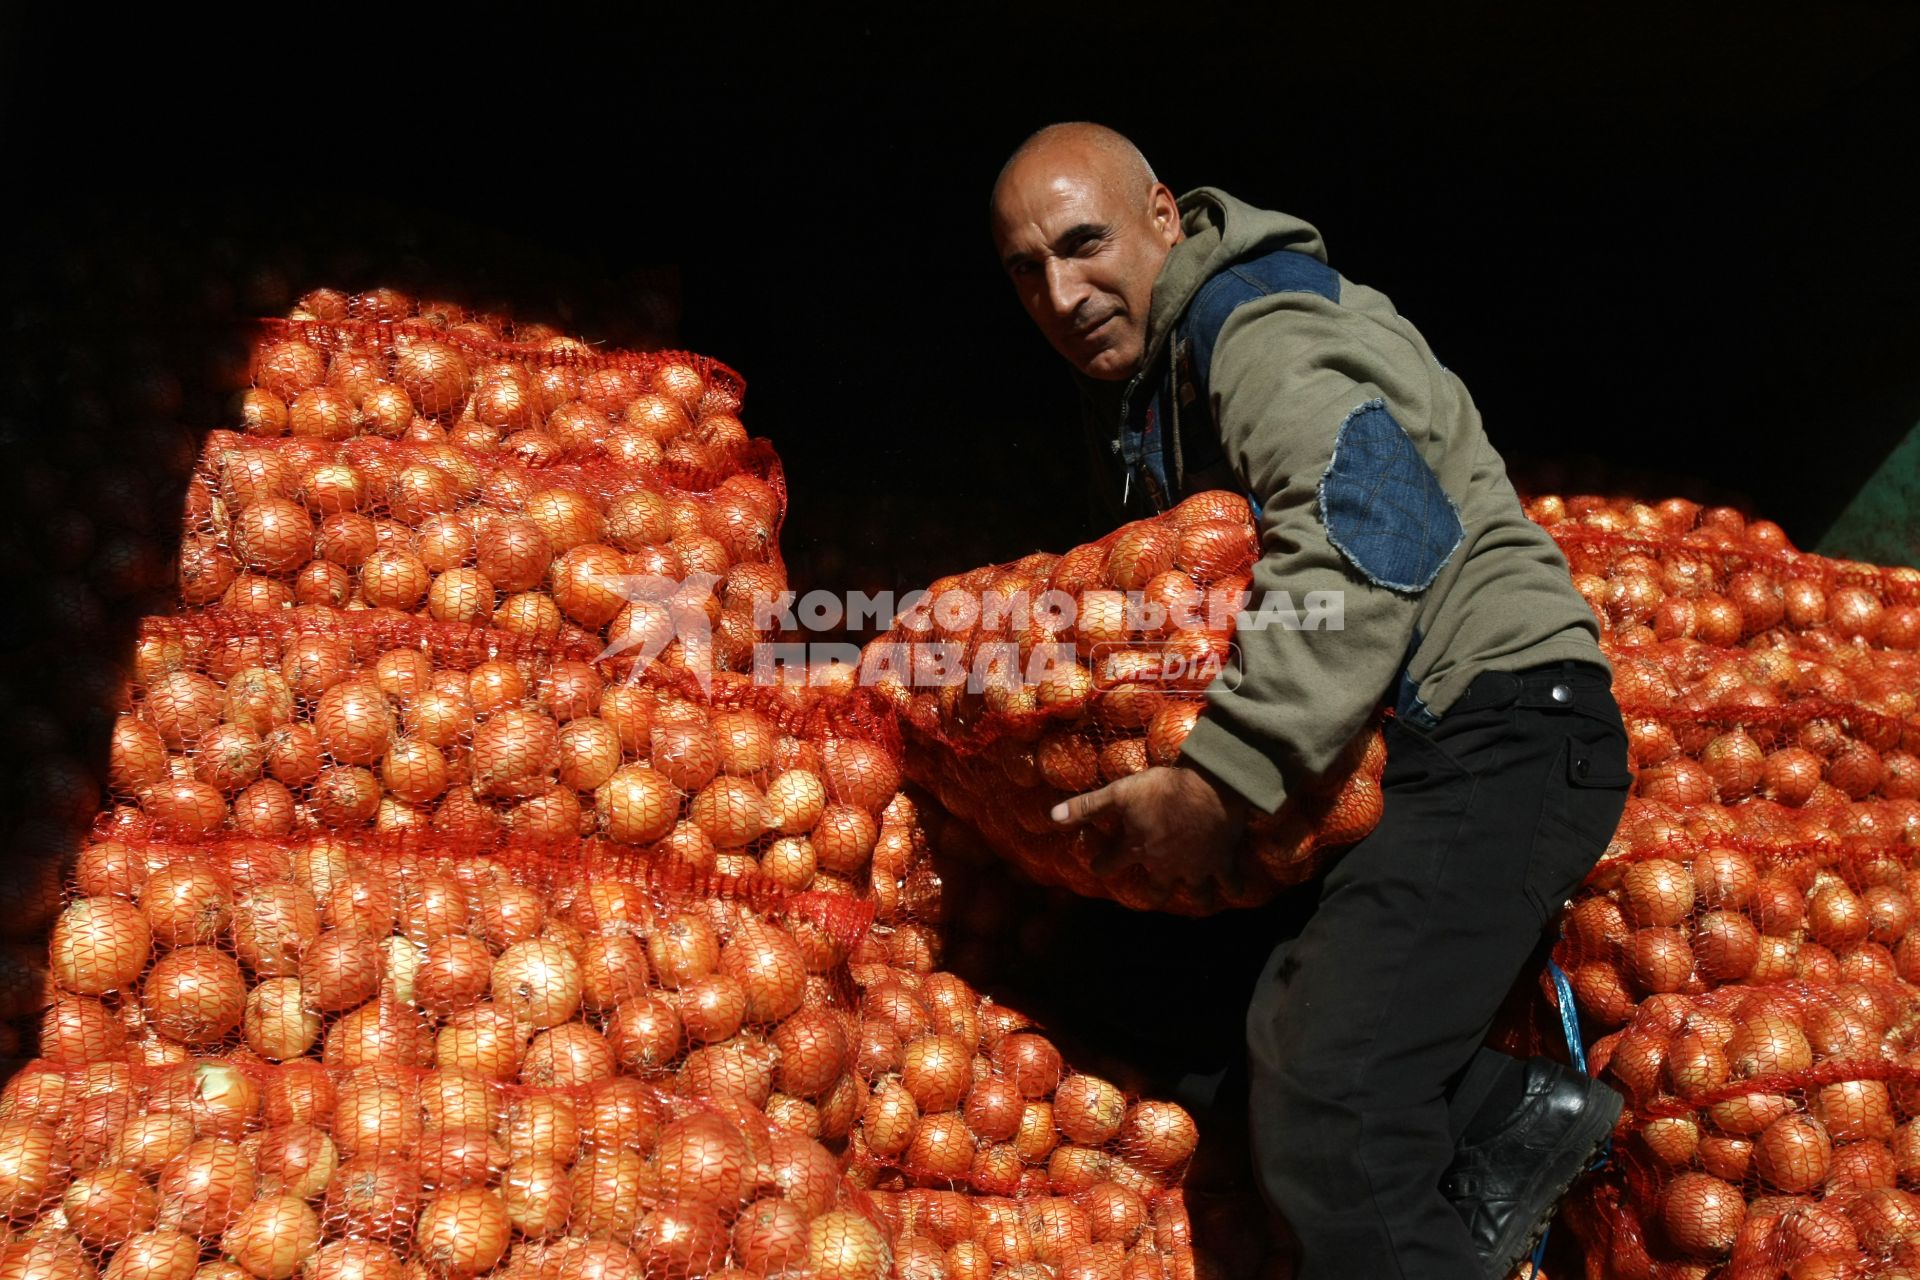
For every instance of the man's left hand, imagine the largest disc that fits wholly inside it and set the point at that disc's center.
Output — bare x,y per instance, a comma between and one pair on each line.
1175,821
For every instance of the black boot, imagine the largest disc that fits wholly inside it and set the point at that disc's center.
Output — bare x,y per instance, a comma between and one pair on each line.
1507,1184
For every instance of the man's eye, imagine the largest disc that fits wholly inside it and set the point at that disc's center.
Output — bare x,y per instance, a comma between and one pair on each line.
1086,247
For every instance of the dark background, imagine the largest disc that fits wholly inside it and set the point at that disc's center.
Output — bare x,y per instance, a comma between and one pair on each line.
1672,245
1659,237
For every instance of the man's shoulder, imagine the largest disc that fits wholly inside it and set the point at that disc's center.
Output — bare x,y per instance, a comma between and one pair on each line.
1277,271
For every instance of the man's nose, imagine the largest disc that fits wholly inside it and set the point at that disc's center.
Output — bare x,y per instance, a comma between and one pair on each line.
1063,287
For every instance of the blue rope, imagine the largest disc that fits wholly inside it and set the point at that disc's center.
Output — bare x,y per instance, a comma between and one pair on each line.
1569,1017
1577,1052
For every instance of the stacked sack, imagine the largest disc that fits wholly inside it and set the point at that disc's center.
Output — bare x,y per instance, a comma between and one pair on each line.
1747,946
1025,683
465,909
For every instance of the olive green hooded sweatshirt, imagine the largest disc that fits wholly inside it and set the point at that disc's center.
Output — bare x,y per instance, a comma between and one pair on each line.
1289,372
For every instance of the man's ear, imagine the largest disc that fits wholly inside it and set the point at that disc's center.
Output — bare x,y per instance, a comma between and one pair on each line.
1163,207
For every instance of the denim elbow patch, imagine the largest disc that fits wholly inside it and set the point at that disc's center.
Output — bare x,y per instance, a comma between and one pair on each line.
1382,505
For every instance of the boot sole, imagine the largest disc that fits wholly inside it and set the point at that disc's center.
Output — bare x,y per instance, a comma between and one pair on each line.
1567,1162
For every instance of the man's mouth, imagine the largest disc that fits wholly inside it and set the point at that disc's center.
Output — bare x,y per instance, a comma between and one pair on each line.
1089,331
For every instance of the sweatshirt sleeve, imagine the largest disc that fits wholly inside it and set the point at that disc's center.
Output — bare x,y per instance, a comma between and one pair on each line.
1323,416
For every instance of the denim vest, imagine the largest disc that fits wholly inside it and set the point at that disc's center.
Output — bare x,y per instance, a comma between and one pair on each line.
1168,446
1383,507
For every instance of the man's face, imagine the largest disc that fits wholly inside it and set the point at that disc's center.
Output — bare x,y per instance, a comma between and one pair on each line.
1083,257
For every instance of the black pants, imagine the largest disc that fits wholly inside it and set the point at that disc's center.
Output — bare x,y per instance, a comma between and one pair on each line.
1364,1033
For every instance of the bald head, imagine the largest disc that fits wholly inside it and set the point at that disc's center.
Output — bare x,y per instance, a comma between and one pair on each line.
1082,227
1104,155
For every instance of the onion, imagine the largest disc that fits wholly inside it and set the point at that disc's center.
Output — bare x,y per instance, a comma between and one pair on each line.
994,1109
463,1232
33,1166
1793,1153
1836,917
1854,1110
78,1030
705,1161
568,1056
454,972
273,925
1725,946
606,1189
843,838
273,1236
859,773
1695,1066
322,413
770,1236
1158,1135
278,1025
589,584
483,1038
513,552
686,751
205,1188
459,1157
355,1260
731,811
683,948
195,995
376,1117
1703,1214
375,1196
299,1092
100,944
637,804
295,1159
842,1245
645,1033
1088,1110
1658,892
538,982
768,963
711,1007
937,1070
1861,1166
813,1050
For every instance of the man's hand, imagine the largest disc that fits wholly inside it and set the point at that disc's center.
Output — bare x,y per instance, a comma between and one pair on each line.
1175,821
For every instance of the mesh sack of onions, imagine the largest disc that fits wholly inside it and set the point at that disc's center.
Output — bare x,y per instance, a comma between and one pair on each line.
1100,1237
1027,682
308,719
1746,948
1771,1131
336,1053
387,365
966,1093
599,547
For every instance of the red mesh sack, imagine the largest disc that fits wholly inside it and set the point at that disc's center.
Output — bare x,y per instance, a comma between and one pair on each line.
271,724
967,1094
1747,943
1108,1235
447,1053
599,546
1028,682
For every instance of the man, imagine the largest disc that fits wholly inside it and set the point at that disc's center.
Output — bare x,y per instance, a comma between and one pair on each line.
1217,349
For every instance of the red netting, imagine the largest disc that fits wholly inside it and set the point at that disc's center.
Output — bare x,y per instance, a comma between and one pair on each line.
1015,1120
1028,682
602,547
1747,944
464,908
1114,1234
